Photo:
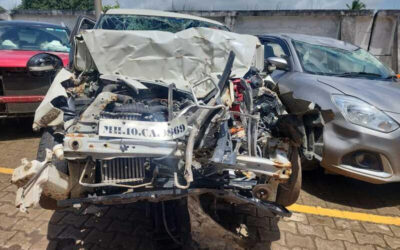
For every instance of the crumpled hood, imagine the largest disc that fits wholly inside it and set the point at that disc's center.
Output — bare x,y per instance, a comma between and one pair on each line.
181,58
382,94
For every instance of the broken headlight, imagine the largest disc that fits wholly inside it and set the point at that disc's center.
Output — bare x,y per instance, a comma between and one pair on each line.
363,114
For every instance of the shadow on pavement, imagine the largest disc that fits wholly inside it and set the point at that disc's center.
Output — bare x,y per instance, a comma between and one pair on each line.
350,192
17,128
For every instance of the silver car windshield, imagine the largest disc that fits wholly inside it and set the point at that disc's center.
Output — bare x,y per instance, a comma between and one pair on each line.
140,22
324,60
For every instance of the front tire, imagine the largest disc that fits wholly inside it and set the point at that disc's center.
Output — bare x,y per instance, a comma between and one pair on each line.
288,193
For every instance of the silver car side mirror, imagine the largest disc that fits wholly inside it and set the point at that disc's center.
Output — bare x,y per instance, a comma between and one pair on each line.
280,63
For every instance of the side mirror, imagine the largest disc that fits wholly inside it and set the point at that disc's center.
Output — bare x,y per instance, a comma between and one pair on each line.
280,63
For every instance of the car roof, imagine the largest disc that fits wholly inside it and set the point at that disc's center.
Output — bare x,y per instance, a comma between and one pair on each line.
144,12
316,40
32,23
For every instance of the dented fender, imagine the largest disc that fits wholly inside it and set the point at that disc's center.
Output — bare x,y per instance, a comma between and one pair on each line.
47,114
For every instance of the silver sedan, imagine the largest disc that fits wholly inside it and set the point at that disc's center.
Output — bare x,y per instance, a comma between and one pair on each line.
362,139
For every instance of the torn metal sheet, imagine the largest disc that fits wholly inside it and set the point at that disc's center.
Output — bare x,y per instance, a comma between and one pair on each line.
46,114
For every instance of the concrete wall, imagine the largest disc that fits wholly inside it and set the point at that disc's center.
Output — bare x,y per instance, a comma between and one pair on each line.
5,16
373,31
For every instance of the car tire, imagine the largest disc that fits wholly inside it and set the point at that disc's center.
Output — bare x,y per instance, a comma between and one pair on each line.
309,165
47,141
288,193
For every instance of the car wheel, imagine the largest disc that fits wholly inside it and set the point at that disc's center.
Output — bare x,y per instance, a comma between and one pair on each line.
289,192
308,165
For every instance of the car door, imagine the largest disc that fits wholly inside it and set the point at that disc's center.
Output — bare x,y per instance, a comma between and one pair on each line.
82,23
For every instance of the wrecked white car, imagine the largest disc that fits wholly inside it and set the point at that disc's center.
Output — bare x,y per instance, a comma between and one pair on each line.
160,116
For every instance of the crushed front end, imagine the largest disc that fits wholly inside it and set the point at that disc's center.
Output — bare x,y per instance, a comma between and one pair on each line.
170,116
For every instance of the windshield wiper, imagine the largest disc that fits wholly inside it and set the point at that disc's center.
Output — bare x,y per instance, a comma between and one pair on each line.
356,74
391,77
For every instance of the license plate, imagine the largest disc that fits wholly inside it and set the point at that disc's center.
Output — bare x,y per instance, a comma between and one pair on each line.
143,129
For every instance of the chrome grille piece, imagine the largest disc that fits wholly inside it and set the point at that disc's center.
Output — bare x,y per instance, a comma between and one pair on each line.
122,170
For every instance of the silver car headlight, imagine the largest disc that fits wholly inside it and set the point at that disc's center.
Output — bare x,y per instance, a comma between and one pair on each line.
361,113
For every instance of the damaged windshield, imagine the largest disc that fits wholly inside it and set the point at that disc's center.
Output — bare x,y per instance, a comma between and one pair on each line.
140,22
324,60
29,37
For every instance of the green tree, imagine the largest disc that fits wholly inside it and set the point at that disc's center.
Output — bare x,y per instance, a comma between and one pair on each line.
115,6
56,5
356,5
2,10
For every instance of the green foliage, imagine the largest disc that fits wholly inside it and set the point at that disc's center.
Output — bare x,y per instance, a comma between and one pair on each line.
2,10
56,5
107,7
356,5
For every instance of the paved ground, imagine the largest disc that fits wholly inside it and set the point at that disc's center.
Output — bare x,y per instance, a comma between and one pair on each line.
119,227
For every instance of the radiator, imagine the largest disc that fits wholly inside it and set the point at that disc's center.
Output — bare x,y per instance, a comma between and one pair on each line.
122,170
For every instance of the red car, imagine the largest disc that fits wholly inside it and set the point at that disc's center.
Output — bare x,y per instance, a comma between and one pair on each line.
30,54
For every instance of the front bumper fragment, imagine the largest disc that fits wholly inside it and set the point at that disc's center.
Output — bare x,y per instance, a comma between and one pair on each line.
80,146
170,194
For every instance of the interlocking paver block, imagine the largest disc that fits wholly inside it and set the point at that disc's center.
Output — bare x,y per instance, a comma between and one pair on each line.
10,188
373,239
40,244
393,242
5,235
8,209
315,230
287,226
377,228
389,211
329,244
334,234
297,217
321,220
275,246
7,222
19,240
349,224
9,198
32,213
26,226
395,230
352,246
43,228
299,241
46,215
